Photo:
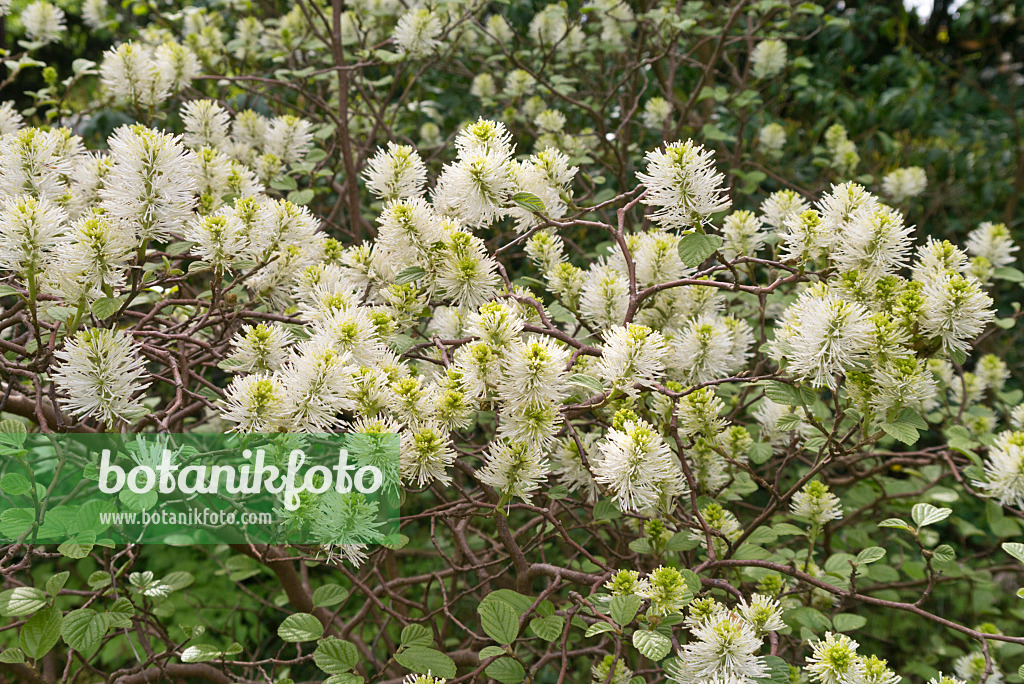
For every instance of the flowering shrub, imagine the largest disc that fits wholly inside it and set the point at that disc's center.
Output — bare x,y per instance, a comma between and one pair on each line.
659,417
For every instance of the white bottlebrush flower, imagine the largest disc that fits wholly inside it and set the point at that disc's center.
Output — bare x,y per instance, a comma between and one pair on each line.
178,64
763,613
742,234
835,661
656,259
97,253
824,336
467,273
37,162
549,26
877,244
638,467
815,503
971,667
724,649
702,351
100,370
946,679
1004,470
519,83
130,72
426,455
206,124
483,86
656,113
149,186
768,58
900,383
534,373
666,589
605,295
289,138
317,384
409,229
610,670
476,188
396,173
683,185
876,671
992,372
497,324
993,242
43,22
904,183
571,470
417,33
771,137
956,310
514,469
30,229
782,206
255,403
936,259
10,118
95,13
260,347
248,134
632,354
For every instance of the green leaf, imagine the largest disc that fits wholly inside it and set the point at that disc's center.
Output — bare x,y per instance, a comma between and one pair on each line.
624,608
79,546
491,651
409,275
778,671
641,546
178,580
21,601
894,522
926,514
203,653
548,628
57,582
759,452
329,595
15,484
300,627
605,509
1008,273
506,671
653,645
870,555
12,655
587,382
788,395
416,635
423,660
8,290
105,307
599,628
529,201
681,541
336,656
499,621
121,613
904,432
848,622
304,196
944,553
1015,549
695,248
40,633
83,630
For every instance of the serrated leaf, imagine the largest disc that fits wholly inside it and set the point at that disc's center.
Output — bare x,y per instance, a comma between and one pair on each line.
870,555
329,595
410,275
548,628
926,514
653,645
83,630
599,628
624,608
506,671
788,395
416,635
499,620
57,582
15,484
681,541
40,633
105,307
894,522
641,546
529,201
904,432
121,613
944,553
586,381
848,622
12,655
336,656
21,601
204,653
1015,549
300,627
759,452
695,248
423,660
605,509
